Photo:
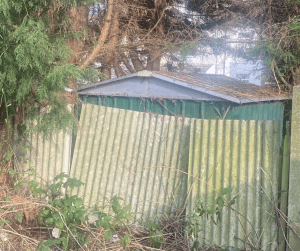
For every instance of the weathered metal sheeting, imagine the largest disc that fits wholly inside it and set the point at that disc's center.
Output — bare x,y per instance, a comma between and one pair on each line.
133,155
243,155
48,156
195,109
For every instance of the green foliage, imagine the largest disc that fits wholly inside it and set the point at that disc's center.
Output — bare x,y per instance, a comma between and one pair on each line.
32,185
19,217
155,234
119,218
281,52
294,2
187,49
65,214
35,188
213,212
34,58
91,75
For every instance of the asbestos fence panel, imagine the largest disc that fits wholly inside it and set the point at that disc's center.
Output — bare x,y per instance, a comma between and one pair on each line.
243,155
47,157
140,157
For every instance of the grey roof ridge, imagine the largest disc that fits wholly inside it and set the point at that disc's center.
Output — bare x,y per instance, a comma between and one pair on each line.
108,81
157,75
197,88
146,73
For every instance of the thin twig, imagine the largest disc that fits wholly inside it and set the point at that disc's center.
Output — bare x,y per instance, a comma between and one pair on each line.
21,235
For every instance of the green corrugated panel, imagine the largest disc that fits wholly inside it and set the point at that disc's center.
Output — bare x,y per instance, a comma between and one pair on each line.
194,109
48,157
243,155
133,155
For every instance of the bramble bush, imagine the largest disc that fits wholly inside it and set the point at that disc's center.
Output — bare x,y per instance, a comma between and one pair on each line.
65,215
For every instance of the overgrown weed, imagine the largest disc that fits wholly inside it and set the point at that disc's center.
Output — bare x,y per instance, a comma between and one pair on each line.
63,222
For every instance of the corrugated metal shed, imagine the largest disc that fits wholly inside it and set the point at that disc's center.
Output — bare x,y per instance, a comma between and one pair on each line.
158,163
194,109
229,87
195,95
209,87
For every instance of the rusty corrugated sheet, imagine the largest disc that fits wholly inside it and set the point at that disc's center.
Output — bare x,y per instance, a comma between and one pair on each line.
243,155
133,155
48,157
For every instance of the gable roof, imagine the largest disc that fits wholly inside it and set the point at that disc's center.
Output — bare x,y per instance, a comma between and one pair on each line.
194,86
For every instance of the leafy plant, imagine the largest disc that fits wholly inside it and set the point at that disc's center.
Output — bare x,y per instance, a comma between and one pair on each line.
213,212
34,61
19,217
119,218
155,234
65,214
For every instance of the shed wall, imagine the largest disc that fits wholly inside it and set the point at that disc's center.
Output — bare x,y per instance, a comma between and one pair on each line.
195,109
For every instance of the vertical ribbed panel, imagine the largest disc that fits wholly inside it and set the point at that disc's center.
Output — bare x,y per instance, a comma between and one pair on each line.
195,109
48,157
133,155
243,155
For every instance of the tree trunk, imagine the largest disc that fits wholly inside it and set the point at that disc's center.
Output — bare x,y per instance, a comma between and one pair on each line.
107,71
112,56
158,30
149,65
156,63
127,64
136,61
118,69
102,37
153,62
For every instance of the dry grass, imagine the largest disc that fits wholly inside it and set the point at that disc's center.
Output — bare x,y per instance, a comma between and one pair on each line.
28,234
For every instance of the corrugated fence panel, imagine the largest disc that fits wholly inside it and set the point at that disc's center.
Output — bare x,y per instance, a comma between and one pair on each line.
133,155
195,109
47,156
243,155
